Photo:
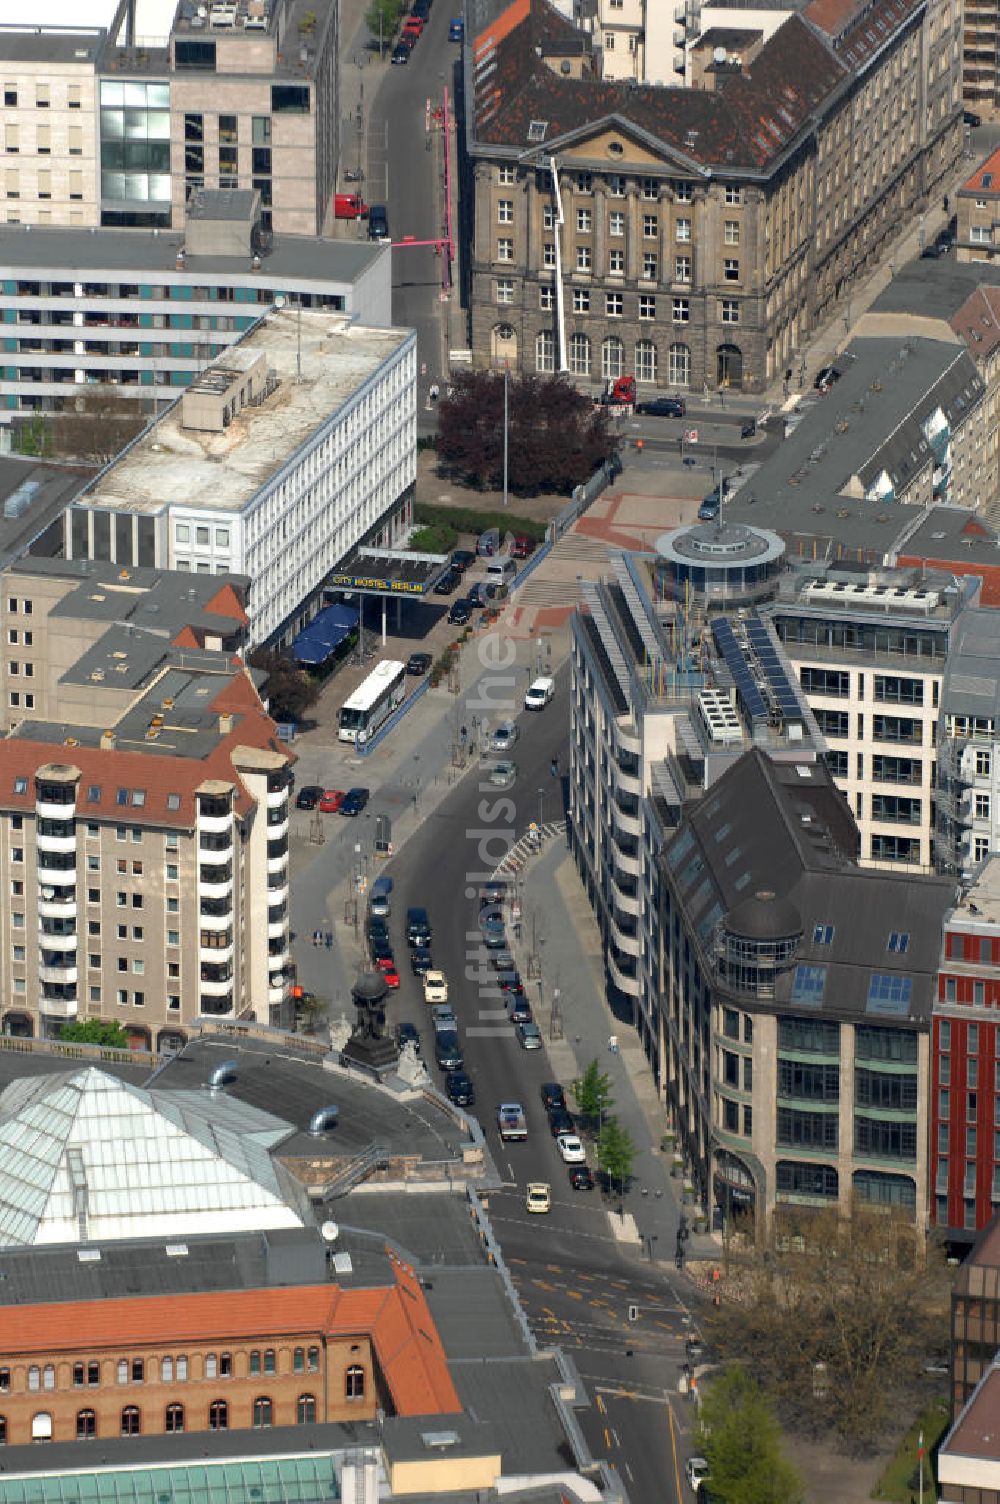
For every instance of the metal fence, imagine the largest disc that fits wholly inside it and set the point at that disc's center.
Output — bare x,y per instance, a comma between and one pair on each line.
584,497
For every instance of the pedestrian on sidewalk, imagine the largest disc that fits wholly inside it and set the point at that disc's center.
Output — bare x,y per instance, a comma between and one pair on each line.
613,1043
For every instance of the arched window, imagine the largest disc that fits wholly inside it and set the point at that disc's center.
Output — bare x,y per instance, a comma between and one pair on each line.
645,360
131,1420
612,358
305,1410
679,365
211,1366
41,1426
173,1419
218,1416
354,1382
579,355
314,1360
270,1365
168,1370
262,1411
34,1377
86,1425
545,352
299,1360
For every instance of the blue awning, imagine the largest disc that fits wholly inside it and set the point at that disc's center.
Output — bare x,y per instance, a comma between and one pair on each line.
311,647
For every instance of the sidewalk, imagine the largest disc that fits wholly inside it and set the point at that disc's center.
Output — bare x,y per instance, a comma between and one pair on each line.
556,910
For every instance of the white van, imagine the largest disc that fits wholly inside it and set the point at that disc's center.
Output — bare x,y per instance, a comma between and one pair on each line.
539,694
500,570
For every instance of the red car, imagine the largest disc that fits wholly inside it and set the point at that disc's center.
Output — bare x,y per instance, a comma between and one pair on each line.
412,27
391,978
522,547
331,801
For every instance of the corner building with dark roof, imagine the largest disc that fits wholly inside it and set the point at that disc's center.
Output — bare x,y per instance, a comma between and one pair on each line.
705,231
796,996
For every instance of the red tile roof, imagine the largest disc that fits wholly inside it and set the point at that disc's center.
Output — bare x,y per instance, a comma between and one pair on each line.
226,602
986,178
978,321
976,1433
407,1347
158,774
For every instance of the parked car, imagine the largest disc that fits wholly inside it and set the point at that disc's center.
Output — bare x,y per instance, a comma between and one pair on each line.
384,962
825,378
380,904
711,505
448,1050
502,960
419,663
400,56
538,1197
443,1017
381,950
969,117
696,1472
510,982
462,559
391,977
435,987
354,801
570,1147
407,1033
456,29
308,796
377,928
494,891
932,251
459,1089
460,613
331,800
481,593
552,1095
378,222
494,934
522,547
421,961
559,1122
413,26
662,407
530,1035
504,737
518,1008
421,8
748,429
502,774
448,582
581,1177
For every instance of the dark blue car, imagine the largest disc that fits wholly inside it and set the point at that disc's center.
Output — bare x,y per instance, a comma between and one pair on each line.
354,801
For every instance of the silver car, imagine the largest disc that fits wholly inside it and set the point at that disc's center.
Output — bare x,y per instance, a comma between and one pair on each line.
530,1035
504,737
502,774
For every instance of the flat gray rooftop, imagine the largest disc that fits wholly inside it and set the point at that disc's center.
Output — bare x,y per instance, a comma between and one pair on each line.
953,533
33,495
934,289
49,45
222,472
514,1396
293,1087
971,684
866,422
73,255
472,1312
435,1227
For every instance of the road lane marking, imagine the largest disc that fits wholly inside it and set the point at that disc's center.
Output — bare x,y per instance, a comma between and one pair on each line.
574,1294
601,1405
615,1435
607,1440
631,1475
673,1444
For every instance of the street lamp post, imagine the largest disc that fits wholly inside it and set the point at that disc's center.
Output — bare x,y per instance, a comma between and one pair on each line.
541,803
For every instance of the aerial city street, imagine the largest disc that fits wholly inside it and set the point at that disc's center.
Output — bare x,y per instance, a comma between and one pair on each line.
500,751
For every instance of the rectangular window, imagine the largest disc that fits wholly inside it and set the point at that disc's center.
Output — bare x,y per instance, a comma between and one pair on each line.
650,266
505,250
42,99
682,230
731,269
730,311
546,299
613,305
731,232
505,290
581,300
287,99
682,268
681,310
616,263
505,211
647,306
616,223
734,195
506,176
583,258
43,140
616,185
651,226
684,193
584,220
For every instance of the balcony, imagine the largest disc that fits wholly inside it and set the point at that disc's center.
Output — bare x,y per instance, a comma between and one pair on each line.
277,895
628,903
58,1007
58,908
221,889
221,988
62,844
55,877
216,824
275,832
277,928
276,864
62,942
61,975
276,958
217,955
276,798
216,1005
44,810
277,994
629,985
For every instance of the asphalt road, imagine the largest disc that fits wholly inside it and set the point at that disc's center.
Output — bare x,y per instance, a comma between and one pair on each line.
408,174
577,1282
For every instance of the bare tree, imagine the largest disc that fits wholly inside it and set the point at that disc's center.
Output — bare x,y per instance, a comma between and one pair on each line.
836,1318
97,425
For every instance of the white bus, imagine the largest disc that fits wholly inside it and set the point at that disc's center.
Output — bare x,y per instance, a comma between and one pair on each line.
373,701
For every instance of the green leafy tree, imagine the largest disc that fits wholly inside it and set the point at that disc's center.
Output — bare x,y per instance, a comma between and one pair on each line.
592,1093
557,438
616,1153
740,1440
34,437
288,690
836,1317
94,1031
382,18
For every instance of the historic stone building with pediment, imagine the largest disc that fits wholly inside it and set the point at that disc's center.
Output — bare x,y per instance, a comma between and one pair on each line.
692,237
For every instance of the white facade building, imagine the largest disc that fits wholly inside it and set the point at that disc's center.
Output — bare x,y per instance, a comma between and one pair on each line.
293,448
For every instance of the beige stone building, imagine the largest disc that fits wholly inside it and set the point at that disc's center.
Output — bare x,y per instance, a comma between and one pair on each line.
238,94
694,237
978,323
979,213
144,812
48,126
